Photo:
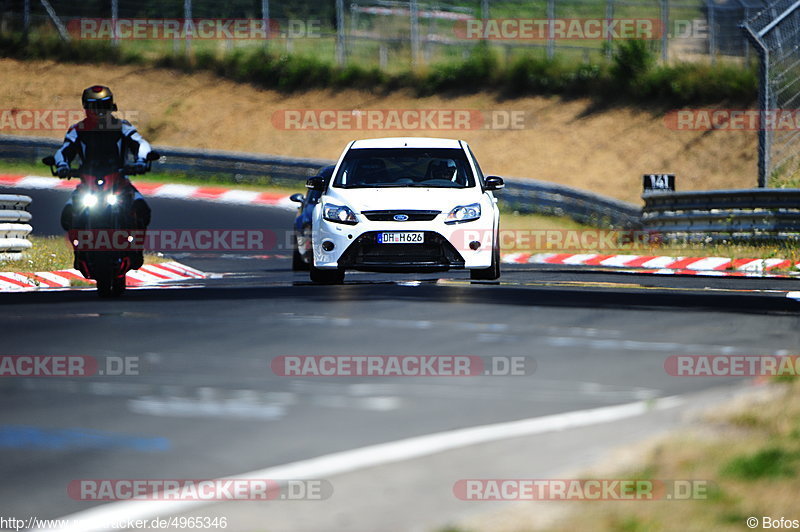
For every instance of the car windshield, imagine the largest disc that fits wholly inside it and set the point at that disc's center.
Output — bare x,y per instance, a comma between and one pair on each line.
405,167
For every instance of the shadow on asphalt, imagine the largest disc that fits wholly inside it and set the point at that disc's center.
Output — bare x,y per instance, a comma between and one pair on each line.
466,293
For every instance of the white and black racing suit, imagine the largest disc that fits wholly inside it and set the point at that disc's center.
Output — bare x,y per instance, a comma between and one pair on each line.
103,146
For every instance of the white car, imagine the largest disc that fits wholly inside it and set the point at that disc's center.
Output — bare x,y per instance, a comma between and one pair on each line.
405,205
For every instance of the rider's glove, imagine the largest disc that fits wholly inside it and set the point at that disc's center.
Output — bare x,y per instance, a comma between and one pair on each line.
139,167
63,172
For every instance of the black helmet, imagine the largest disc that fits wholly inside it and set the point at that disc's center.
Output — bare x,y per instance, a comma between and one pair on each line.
98,98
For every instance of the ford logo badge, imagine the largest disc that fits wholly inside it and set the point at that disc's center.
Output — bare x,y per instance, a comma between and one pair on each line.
400,217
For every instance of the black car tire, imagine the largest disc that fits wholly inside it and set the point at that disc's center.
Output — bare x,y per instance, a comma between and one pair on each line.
298,264
326,276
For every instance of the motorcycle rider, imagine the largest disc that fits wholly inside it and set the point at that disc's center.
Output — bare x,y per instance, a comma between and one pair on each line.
103,142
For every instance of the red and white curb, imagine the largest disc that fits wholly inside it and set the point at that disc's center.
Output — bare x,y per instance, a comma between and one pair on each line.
163,190
717,266
147,275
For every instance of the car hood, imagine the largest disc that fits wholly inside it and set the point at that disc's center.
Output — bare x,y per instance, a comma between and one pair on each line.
411,198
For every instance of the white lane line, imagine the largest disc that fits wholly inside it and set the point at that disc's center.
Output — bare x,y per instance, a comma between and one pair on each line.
98,518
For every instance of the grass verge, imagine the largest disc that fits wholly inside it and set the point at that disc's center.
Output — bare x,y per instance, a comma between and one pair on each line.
750,452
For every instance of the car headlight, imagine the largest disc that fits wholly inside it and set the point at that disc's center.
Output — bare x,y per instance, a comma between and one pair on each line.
339,214
464,213
111,199
89,200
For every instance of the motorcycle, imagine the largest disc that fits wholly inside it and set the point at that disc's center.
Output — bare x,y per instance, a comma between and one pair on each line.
104,207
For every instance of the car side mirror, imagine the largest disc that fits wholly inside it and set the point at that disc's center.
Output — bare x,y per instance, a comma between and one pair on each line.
299,198
316,183
153,156
494,182
49,160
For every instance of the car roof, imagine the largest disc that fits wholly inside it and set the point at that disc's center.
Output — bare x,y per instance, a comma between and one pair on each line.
406,142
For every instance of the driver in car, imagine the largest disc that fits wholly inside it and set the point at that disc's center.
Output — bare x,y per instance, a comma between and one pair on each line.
443,170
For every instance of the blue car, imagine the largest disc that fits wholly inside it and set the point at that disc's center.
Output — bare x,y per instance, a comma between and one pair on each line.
302,255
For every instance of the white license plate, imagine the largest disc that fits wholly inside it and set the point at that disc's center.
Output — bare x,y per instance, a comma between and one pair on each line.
401,238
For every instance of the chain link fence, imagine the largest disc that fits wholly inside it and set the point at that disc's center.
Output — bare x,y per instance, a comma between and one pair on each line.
775,33
394,34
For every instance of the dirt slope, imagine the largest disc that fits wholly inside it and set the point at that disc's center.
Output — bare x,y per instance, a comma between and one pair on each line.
606,152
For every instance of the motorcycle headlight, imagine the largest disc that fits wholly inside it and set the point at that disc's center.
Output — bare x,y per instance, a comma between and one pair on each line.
338,214
89,200
111,199
464,213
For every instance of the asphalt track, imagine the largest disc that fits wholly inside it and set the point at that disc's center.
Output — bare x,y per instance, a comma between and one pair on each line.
206,404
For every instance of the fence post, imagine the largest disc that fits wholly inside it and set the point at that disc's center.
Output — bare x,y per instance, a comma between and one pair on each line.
712,32
188,24
340,43
114,17
764,133
551,28
265,18
26,18
664,31
609,16
763,105
414,32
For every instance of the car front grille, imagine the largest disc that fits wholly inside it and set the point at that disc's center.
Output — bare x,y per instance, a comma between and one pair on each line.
434,253
413,216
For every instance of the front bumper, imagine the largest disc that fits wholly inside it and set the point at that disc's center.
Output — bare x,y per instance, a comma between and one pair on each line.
445,246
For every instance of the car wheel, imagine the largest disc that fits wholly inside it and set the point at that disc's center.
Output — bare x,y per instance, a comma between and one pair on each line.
326,276
492,272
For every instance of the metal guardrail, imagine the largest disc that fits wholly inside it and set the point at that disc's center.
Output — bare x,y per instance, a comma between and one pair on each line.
527,196
13,227
734,215
531,196
232,166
